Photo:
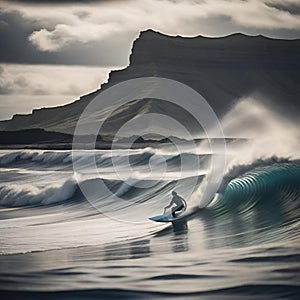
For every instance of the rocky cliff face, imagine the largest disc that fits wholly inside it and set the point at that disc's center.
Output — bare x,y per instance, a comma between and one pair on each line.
222,69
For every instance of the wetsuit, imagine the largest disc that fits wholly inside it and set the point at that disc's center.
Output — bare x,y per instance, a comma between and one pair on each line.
179,202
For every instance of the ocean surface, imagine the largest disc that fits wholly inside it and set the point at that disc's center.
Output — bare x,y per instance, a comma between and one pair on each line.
55,244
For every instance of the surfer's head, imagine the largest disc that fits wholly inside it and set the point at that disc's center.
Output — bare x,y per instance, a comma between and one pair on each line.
174,193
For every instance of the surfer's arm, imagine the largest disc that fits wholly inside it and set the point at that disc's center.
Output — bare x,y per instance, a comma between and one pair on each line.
171,203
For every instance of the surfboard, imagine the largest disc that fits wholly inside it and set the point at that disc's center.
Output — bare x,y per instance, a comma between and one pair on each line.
167,217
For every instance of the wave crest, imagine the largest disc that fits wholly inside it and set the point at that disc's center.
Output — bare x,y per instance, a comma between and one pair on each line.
13,195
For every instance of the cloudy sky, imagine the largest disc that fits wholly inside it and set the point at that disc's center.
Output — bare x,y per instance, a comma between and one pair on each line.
54,51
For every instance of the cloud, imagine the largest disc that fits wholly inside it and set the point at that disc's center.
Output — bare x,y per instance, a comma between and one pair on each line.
61,2
9,83
15,48
63,35
51,41
71,81
85,23
23,87
257,14
101,32
292,6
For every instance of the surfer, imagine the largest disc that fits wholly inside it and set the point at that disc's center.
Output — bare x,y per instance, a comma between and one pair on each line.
179,202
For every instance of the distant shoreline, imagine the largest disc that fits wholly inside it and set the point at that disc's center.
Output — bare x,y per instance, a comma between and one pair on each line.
41,139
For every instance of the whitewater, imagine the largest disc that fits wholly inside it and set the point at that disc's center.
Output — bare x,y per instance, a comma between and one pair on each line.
242,242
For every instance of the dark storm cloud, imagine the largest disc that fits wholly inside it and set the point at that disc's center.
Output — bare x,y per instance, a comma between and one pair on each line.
13,36
15,47
292,8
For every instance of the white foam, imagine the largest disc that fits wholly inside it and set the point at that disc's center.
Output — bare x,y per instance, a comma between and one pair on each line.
13,195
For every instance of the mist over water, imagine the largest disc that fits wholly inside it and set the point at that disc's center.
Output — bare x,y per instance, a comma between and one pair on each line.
269,133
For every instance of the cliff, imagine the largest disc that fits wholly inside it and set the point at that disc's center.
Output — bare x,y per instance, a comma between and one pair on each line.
222,69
